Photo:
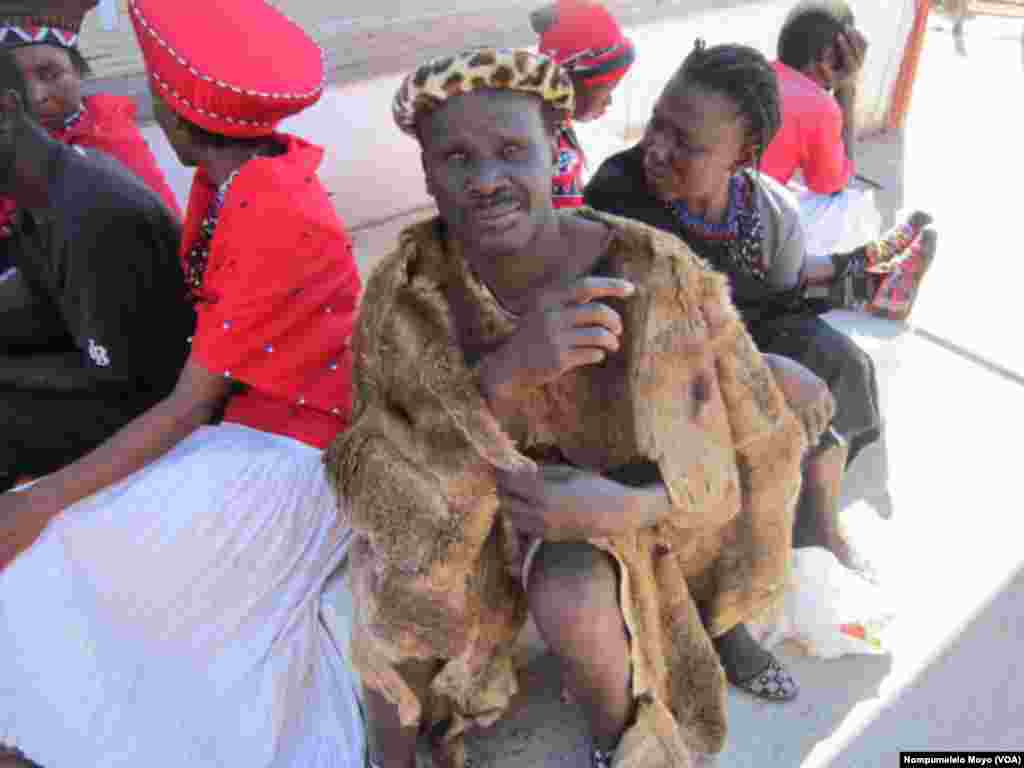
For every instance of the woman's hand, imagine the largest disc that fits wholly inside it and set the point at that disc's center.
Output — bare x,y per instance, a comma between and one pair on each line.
563,503
851,48
567,328
21,523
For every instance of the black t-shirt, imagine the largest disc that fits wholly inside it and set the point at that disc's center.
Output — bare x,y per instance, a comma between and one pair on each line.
95,329
104,260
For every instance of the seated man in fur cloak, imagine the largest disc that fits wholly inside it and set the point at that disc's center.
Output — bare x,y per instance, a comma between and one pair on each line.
560,413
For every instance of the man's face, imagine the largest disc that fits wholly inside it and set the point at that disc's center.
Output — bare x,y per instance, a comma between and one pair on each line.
53,84
693,143
488,157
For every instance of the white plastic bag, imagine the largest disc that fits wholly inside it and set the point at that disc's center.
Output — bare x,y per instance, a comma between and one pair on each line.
829,611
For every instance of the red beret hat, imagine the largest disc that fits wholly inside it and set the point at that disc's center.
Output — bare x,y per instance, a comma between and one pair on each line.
235,68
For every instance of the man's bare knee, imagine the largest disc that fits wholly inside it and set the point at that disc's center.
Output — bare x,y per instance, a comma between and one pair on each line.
573,585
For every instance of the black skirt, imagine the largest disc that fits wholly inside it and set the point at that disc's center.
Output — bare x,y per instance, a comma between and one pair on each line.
848,371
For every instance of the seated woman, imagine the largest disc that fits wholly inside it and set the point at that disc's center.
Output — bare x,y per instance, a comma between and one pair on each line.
43,37
557,412
691,175
161,596
586,40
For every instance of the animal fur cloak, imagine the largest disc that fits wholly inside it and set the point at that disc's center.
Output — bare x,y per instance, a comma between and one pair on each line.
434,566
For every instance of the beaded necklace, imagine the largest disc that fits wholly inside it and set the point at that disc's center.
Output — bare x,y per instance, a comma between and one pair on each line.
73,119
735,245
199,254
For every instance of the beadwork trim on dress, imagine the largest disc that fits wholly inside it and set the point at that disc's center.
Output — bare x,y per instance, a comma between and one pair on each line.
199,254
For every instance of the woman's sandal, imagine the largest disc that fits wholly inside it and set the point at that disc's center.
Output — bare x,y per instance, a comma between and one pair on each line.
896,240
901,278
862,274
773,683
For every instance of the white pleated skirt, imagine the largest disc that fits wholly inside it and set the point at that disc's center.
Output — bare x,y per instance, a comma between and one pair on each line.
175,619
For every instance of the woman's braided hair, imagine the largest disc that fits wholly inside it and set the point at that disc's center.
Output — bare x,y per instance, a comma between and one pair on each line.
745,76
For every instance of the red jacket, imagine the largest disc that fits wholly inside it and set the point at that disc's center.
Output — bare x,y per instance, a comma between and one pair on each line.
810,138
109,125
278,300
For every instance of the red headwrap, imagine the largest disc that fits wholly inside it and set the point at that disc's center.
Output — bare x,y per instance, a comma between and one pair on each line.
588,42
232,67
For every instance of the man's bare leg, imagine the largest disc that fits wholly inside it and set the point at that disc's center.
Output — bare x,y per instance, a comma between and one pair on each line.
391,744
573,596
817,516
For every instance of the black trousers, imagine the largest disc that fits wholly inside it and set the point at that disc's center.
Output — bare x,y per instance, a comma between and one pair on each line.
848,371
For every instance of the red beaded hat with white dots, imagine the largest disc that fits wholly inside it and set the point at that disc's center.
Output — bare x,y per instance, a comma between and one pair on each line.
216,68
50,22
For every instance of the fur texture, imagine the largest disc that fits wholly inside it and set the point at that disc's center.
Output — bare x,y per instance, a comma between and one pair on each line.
433,568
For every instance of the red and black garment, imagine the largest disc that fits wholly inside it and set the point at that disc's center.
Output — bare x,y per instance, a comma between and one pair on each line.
104,122
588,42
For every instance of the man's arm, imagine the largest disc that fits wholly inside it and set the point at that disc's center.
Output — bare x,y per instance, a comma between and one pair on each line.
851,49
846,97
23,516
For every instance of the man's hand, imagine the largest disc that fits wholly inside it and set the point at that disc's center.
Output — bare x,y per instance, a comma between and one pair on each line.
567,328
21,523
562,503
851,48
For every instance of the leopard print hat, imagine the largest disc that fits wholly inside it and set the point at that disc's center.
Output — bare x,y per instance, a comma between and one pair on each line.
426,89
